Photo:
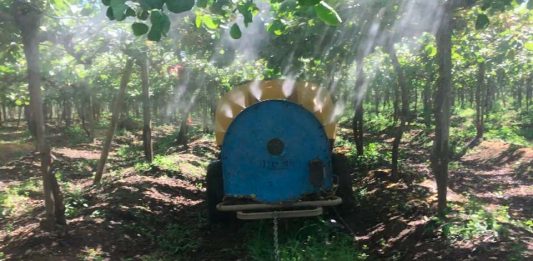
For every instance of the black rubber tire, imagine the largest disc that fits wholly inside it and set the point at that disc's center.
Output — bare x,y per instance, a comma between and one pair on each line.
341,169
215,193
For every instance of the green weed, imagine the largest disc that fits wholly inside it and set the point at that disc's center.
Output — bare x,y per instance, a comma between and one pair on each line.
374,155
379,122
176,240
76,135
303,240
474,221
13,199
75,202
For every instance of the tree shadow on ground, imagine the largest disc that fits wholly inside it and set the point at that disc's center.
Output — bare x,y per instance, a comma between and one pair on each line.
132,217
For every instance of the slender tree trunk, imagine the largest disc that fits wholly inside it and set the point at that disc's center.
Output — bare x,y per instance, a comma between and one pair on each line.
440,156
396,106
403,89
87,112
28,20
4,111
182,139
480,87
529,92
357,122
147,115
20,115
115,110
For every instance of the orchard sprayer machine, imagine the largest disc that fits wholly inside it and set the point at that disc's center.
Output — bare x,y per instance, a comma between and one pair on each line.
276,161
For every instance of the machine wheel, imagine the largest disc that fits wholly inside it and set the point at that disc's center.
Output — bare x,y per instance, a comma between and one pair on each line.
215,193
341,169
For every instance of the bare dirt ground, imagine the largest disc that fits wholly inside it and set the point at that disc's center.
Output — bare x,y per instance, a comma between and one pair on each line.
133,211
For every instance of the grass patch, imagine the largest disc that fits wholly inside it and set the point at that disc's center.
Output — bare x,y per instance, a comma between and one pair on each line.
13,201
76,135
301,239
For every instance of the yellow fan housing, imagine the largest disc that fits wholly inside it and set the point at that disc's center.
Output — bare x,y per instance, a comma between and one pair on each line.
315,99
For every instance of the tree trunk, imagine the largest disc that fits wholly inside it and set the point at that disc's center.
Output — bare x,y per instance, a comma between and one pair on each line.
357,122
182,139
529,92
427,96
147,115
20,115
28,19
115,110
440,157
480,101
87,101
4,111
402,83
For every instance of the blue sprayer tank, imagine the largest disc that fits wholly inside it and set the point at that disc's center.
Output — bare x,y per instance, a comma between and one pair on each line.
276,139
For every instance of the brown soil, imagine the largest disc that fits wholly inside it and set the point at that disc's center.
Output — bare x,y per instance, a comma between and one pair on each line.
125,216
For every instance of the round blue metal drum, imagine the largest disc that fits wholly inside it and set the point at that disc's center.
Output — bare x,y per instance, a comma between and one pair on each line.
269,150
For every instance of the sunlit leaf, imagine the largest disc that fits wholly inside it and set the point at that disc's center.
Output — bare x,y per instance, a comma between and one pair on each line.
327,14
431,50
235,31
60,4
277,27
248,10
178,6
482,21
209,22
139,28
198,20
529,46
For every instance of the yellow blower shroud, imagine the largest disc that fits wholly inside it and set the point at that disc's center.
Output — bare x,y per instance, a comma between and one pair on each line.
315,99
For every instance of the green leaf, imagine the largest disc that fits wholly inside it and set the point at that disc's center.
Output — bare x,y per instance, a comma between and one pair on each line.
529,46
202,3
139,28
109,13
60,5
327,14
160,25
130,12
106,2
179,6
482,21
143,15
151,4
308,2
154,34
235,31
530,4
198,20
165,24
119,8
277,27
209,22
247,10
431,50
